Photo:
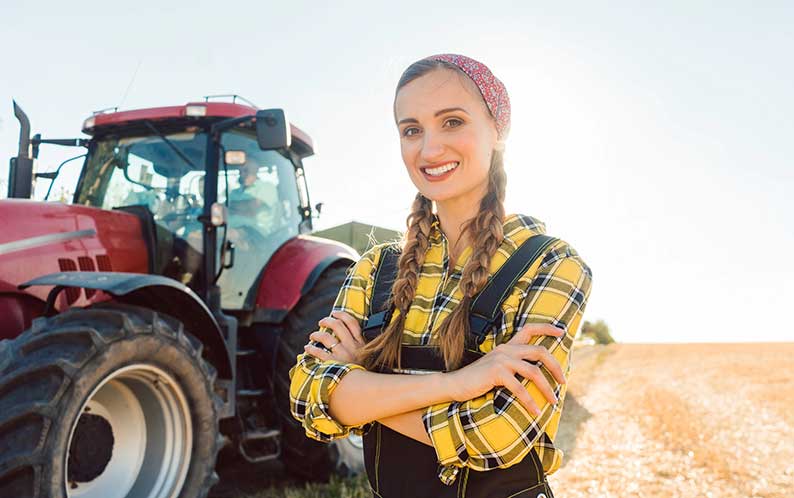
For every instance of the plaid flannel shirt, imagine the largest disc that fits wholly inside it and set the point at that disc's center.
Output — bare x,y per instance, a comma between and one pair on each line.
493,430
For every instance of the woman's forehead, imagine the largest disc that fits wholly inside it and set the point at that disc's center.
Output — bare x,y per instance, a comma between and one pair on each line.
439,89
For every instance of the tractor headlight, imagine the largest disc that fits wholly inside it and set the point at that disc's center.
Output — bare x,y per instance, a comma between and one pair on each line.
195,110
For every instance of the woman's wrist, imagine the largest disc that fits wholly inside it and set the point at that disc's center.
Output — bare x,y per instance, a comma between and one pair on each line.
445,387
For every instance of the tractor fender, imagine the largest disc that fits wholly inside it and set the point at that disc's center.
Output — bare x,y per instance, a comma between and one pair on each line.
157,293
293,270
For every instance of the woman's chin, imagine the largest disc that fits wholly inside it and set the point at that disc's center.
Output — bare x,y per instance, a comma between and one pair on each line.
438,194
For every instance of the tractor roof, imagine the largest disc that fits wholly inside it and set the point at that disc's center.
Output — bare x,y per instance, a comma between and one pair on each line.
109,122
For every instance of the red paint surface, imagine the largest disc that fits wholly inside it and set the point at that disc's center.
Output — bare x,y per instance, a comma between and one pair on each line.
291,265
117,236
214,109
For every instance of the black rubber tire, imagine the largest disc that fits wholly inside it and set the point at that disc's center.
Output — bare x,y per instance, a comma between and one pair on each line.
48,372
304,457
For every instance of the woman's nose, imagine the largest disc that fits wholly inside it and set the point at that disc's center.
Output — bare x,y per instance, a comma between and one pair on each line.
432,147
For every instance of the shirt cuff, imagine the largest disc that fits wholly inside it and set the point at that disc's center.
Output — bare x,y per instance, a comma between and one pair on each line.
318,422
446,432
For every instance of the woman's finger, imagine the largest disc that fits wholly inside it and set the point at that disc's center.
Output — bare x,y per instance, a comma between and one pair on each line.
324,338
533,373
521,393
551,364
339,328
351,323
539,353
340,353
528,331
317,352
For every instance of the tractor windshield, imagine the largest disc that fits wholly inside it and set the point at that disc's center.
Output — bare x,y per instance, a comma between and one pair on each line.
127,171
145,171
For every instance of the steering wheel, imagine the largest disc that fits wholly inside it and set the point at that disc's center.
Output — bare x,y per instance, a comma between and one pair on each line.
173,216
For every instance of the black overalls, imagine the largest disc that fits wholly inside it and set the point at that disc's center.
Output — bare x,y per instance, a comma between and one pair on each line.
401,467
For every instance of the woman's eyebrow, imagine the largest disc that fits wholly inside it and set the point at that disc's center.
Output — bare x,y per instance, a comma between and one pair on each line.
449,109
406,120
437,113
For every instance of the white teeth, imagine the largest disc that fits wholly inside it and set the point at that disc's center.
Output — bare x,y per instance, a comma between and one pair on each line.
441,169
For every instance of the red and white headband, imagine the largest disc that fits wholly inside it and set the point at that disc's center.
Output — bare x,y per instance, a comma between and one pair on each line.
492,90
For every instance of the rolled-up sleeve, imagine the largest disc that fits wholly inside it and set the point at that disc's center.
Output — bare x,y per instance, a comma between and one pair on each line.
312,380
495,430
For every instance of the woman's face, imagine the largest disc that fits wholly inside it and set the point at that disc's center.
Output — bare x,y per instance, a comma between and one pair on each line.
447,136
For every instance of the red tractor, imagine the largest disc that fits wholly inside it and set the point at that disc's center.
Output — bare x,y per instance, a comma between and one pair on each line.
154,319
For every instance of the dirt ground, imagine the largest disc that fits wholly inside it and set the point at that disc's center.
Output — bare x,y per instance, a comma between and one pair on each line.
661,420
668,420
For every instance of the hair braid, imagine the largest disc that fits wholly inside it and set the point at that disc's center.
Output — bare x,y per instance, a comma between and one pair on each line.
488,232
385,349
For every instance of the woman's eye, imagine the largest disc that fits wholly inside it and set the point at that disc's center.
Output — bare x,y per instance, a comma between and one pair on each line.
455,122
409,132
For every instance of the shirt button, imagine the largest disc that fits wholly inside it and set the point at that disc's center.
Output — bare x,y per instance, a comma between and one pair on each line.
542,495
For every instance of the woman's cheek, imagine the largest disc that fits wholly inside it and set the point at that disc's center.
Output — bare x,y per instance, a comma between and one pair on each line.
409,160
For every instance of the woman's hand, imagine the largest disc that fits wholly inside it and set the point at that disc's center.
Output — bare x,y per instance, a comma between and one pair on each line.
499,367
340,345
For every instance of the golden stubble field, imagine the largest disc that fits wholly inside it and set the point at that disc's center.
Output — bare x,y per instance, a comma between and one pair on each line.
662,420
669,420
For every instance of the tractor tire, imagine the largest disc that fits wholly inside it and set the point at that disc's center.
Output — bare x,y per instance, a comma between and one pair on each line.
306,458
108,401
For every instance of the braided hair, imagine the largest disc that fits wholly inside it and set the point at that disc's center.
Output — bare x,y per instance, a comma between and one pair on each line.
486,232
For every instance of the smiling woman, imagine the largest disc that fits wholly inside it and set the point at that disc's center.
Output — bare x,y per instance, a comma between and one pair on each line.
482,304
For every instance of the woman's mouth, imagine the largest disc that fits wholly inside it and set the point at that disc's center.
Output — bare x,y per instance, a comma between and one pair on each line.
439,173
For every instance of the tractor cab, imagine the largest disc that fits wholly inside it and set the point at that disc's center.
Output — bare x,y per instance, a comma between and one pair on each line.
165,178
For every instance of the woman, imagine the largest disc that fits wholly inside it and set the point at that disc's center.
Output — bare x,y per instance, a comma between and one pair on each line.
481,422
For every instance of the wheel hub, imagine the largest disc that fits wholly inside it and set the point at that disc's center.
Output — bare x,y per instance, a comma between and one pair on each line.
91,449
133,438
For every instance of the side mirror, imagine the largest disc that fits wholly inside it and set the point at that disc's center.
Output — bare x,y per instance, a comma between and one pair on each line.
272,129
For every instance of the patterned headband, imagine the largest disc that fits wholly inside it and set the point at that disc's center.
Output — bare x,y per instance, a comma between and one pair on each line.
492,90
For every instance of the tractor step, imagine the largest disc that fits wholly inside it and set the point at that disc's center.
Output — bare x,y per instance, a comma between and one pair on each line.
258,435
270,451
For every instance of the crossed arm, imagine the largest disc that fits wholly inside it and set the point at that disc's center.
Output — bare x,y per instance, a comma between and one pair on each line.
430,408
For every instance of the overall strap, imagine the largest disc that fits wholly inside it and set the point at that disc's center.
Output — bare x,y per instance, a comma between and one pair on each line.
384,278
486,306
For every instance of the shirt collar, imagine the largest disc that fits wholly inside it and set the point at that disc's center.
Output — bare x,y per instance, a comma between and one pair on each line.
436,233
435,229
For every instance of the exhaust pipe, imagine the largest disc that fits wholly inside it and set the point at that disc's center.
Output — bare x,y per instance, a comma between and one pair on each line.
20,178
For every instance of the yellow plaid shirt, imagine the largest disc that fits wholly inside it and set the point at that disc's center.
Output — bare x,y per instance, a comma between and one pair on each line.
493,430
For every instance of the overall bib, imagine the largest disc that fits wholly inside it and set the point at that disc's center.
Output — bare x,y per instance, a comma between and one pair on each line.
400,467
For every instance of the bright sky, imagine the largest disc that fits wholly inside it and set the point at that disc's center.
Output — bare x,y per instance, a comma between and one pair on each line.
658,141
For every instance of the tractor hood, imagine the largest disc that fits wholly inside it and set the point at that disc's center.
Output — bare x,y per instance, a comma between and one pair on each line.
38,238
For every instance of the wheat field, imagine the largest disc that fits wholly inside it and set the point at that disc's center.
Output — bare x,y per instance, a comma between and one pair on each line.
651,420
